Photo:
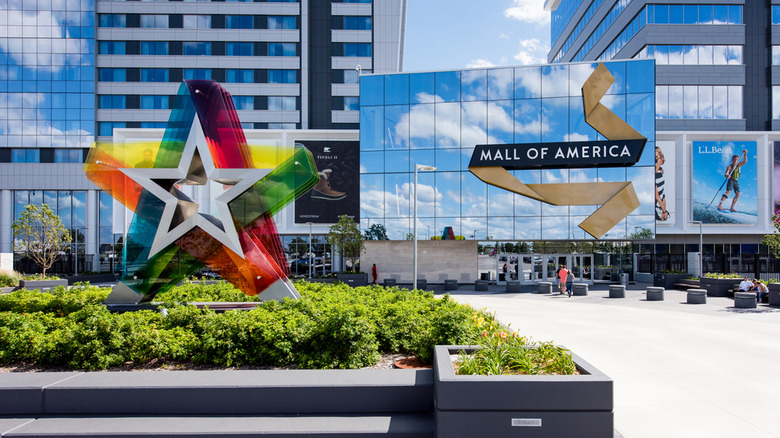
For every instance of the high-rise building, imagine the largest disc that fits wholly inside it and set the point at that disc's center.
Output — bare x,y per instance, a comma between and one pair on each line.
73,71
715,97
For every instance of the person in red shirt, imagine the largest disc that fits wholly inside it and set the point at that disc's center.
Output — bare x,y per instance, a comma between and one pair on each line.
373,273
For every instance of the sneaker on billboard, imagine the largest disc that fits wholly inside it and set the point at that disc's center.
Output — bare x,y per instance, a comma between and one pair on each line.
323,190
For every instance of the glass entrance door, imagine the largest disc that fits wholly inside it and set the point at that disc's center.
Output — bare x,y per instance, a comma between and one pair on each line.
533,268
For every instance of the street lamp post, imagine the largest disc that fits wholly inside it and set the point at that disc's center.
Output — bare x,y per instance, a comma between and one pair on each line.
422,168
310,253
701,249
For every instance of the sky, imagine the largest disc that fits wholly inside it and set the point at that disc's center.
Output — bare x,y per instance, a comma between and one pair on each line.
455,34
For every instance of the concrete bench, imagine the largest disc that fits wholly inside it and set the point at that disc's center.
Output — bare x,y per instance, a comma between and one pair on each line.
655,294
745,300
389,282
450,284
617,291
513,286
697,296
481,285
422,284
580,290
544,287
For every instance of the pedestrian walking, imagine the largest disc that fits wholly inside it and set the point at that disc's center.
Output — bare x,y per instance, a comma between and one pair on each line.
569,282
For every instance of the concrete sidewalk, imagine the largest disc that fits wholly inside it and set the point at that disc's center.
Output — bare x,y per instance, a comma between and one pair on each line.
680,370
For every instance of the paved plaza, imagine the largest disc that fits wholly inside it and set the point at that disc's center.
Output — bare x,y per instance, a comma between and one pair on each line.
680,370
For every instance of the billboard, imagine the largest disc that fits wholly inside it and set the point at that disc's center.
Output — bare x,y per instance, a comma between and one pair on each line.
665,182
724,185
776,180
338,190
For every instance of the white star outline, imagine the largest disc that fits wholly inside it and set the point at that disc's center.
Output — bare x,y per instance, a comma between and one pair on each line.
241,179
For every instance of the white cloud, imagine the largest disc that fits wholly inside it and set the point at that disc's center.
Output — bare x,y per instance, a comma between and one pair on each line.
50,49
528,11
530,52
480,63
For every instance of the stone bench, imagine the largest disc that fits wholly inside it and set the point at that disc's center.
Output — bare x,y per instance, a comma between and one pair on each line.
544,287
697,296
481,285
655,294
580,290
617,291
745,300
450,284
514,286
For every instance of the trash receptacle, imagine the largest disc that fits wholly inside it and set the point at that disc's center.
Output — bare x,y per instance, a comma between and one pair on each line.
624,279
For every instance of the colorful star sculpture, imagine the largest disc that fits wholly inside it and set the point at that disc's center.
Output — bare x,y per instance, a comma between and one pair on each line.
172,236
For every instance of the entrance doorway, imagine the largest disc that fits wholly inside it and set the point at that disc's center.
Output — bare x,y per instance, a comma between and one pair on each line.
533,268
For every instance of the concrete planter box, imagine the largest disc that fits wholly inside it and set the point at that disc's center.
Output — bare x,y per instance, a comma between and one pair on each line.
450,284
322,280
667,281
697,296
514,286
774,294
512,406
617,291
655,294
91,278
544,287
481,285
6,290
354,279
718,287
422,284
745,300
580,289
41,284
389,282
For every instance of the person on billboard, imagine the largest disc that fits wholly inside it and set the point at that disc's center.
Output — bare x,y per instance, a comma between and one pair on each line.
661,214
732,174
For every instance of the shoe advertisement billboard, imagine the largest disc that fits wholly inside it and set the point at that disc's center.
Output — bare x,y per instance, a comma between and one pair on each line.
724,182
338,190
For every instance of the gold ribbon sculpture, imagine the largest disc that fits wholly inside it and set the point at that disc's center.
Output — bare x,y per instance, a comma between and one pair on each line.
617,199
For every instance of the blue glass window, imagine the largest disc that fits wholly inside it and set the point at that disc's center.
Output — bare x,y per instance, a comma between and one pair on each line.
282,76
239,76
112,75
154,102
154,21
244,102
196,73
691,14
154,47
196,48
25,156
357,49
113,20
396,89
357,23
239,49
775,14
282,103
282,49
112,47
154,75
282,22
239,22
112,101
68,156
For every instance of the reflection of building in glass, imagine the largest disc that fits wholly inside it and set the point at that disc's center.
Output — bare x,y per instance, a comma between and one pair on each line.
712,89
438,118
75,70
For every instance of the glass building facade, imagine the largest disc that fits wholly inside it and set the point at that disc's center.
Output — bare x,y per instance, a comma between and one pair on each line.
438,118
47,76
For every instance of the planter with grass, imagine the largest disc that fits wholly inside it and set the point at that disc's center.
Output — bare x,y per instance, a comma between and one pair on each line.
353,279
668,280
543,404
719,286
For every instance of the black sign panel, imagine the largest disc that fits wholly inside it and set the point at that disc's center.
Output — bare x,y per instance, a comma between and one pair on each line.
338,189
608,153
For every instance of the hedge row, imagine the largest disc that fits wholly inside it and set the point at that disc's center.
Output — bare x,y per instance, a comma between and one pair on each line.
331,326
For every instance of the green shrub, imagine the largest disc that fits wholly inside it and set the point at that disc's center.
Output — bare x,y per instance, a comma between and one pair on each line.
9,278
331,326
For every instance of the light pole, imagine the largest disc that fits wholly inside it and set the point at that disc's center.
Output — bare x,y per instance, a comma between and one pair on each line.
701,249
422,168
310,253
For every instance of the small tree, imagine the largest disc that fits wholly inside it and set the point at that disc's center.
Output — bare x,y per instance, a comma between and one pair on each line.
40,235
345,237
772,241
376,232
